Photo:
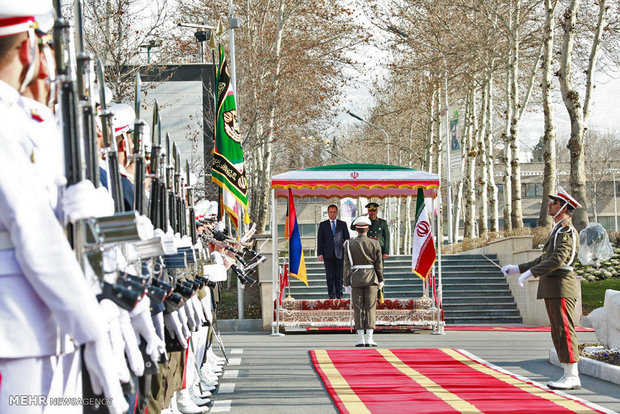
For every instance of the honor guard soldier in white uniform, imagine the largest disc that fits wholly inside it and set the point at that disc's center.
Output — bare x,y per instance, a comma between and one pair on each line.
44,295
558,285
363,274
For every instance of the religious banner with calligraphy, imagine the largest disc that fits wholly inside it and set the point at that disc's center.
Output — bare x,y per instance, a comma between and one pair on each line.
227,169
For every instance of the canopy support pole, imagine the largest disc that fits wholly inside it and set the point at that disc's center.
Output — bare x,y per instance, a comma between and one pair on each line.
440,324
275,266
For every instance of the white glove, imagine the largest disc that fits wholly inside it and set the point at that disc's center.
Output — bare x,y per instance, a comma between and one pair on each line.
132,351
143,324
98,359
83,200
188,309
173,325
381,284
181,313
117,345
249,234
206,306
145,227
524,277
347,290
510,270
158,323
197,306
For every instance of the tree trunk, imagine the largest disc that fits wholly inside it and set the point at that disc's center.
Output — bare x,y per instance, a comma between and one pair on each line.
578,115
549,155
507,152
516,213
265,173
483,167
469,200
492,188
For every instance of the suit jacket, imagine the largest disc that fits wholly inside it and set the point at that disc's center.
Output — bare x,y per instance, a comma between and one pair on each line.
557,279
328,244
366,252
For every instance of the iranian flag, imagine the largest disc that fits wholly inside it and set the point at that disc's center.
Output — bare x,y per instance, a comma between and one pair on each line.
423,254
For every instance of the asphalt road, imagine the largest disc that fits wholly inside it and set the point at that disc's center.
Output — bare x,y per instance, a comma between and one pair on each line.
272,375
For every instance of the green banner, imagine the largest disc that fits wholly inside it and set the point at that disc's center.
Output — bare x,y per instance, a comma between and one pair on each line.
227,168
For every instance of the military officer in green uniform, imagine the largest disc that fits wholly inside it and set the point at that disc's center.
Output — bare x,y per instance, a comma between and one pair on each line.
558,285
378,229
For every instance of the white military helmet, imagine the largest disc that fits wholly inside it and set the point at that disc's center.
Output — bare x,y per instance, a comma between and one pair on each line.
108,96
362,221
21,16
123,117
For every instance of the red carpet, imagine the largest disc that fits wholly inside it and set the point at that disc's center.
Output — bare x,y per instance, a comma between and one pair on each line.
509,328
375,380
459,328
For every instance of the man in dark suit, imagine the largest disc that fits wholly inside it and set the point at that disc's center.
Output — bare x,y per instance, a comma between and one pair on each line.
330,238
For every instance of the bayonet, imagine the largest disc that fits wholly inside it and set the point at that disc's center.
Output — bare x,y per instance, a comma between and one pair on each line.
109,142
138,153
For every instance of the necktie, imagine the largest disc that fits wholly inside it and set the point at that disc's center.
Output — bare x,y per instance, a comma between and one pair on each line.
334,228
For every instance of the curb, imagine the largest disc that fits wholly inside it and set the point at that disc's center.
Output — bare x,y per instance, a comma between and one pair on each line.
239,325
591,367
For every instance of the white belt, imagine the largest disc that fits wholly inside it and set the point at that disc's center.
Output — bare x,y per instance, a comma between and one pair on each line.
5,240
362,267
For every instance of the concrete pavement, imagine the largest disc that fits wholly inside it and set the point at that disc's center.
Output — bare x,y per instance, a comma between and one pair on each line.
273,375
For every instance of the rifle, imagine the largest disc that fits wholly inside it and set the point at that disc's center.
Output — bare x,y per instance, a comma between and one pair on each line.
190,203
85,87
138,153
169,191
155,212
64,50
109,142
181,207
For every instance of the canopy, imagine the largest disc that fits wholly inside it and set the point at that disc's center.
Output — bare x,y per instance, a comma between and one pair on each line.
355,180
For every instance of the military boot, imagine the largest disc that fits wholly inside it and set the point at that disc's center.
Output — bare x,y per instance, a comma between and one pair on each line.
362,340
570,380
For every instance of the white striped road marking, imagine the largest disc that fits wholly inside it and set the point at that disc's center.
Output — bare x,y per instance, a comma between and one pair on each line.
220,406
236,351
226,388
231,373
234,361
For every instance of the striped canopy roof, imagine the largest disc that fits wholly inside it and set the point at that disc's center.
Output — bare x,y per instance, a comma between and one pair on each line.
355,180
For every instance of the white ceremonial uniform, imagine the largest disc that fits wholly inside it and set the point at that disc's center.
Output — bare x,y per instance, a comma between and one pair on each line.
44,294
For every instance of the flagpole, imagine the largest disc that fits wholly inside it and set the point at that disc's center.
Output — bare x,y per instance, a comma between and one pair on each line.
275,279
440,324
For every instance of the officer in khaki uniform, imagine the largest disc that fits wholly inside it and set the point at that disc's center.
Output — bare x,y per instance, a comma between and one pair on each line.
558,285
363,274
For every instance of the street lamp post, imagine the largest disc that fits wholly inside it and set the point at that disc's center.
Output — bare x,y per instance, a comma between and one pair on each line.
148,46
447,128
387,137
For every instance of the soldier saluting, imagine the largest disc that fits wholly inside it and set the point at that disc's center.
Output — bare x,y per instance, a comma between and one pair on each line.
378,229
558,285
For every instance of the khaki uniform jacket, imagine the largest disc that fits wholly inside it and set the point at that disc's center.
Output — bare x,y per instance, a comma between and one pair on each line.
557,279
364,252
379,230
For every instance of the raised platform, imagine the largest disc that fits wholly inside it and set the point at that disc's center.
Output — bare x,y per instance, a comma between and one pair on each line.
337,313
